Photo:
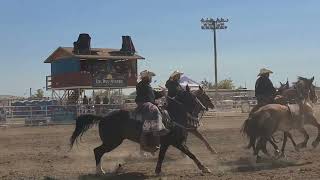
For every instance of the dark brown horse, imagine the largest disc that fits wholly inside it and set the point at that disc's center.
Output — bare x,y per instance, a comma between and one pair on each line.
117,126
207,103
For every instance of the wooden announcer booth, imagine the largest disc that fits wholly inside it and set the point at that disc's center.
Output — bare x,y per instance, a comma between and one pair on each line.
79,68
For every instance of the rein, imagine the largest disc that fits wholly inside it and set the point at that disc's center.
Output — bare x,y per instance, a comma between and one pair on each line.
191,119
191,115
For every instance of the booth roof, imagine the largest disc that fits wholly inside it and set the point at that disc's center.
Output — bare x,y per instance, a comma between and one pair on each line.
96,53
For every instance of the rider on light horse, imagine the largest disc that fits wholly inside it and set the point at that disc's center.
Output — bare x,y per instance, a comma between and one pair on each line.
264,90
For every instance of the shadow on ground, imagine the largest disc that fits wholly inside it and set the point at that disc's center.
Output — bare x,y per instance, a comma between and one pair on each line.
249,165
130,175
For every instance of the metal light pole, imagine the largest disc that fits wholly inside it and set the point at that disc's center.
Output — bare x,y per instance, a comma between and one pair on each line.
213,24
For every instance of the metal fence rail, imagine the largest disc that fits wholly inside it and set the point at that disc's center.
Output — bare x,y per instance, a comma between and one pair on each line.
51,114
59,114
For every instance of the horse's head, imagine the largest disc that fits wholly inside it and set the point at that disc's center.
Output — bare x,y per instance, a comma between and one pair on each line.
283,86
204,98
306,86
187,101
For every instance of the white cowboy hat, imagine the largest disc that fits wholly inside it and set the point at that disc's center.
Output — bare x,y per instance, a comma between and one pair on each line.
264,71
176,72
146,73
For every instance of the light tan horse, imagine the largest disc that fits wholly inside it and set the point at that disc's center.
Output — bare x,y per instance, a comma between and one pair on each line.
290,95
263,123
302,92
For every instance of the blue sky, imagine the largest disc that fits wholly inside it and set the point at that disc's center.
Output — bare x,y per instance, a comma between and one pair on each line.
280,35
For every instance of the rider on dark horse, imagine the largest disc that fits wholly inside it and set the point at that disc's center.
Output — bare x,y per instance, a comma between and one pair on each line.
264,90
152,126
173,85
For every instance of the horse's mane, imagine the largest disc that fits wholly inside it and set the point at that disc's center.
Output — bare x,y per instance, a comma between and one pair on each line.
300,80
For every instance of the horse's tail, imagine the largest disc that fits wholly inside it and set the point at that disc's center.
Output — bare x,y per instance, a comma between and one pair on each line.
83,123
247,129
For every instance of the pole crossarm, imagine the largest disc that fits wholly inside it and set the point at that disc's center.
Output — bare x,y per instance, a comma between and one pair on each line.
210,23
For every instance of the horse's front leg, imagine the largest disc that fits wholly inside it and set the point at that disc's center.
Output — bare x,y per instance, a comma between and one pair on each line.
310,119
276,149
285,138
306,138
199,135
186,150
292,141
162,153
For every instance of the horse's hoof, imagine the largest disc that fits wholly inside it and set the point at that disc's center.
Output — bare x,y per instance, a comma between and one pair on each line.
315,143
101,172
214,152
282,156
159,173
206,170
259,159
119,169
277,153
301,145
297,149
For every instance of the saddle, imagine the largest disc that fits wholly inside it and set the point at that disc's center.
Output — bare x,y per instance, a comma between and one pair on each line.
137,115
296,116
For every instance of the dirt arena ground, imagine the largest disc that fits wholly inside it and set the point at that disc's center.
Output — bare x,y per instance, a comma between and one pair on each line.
43,153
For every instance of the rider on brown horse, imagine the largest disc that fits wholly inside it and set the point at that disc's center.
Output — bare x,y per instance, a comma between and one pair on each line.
152,125
173,85
264,90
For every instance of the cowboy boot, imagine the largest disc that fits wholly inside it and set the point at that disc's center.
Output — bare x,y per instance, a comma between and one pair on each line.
143,143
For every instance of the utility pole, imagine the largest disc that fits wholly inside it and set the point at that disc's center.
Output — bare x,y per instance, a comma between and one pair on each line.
214,24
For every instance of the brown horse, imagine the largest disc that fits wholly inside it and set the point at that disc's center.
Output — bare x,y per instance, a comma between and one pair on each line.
207,103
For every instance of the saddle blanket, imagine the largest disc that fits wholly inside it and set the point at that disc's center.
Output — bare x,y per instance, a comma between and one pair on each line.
295,111
139,116
135,115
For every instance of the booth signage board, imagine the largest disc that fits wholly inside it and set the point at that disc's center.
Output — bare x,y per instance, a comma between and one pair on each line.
104,82
112,73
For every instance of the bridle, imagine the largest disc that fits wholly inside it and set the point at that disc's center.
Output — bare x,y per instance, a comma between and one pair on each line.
193,116
199,109
312,94
201,96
